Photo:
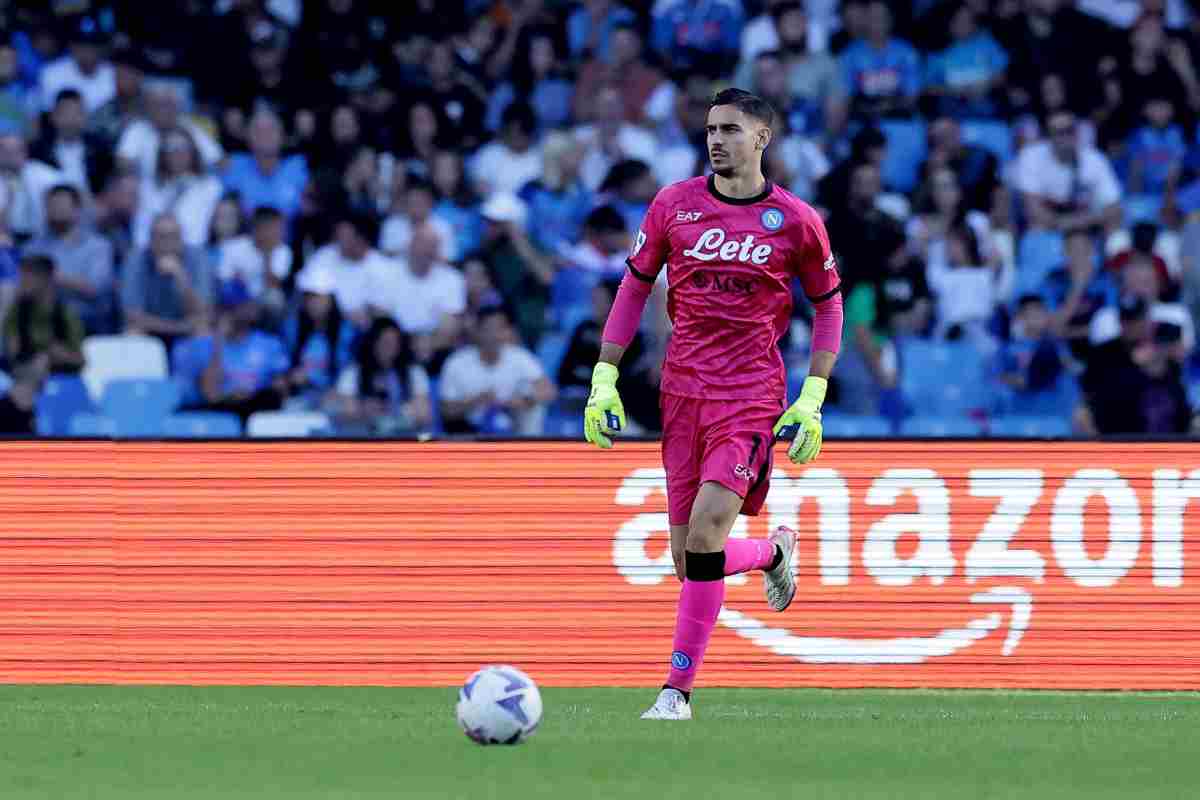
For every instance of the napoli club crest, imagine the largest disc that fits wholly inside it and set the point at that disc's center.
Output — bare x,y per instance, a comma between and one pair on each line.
772,219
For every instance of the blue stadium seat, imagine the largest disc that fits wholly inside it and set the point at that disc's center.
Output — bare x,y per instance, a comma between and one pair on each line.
435,406
1037,254
939,427
944,379
1142,208
202,425
992,135
851,426
95,425
571,296
906,150
551,350
1020,426
62,397
139,405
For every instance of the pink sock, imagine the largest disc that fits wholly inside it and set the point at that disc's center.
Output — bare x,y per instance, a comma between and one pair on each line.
743,555
699,604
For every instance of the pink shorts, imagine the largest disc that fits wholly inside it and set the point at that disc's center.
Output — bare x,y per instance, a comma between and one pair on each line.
727,441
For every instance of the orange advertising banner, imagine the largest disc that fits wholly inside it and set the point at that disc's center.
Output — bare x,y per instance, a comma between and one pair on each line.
1050,565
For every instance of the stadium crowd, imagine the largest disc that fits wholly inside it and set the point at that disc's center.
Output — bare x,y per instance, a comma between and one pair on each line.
412,216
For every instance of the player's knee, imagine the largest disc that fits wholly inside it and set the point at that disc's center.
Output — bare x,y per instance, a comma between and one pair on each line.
707,530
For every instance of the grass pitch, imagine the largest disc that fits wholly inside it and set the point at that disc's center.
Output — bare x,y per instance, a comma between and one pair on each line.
137,743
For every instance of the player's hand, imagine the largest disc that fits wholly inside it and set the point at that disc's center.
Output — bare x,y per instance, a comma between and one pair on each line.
802,421
604,413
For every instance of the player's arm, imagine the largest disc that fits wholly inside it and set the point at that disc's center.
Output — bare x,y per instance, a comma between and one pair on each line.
604,414
822,285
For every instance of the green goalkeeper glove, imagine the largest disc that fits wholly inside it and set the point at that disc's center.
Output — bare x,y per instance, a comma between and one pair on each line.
802,421
604,413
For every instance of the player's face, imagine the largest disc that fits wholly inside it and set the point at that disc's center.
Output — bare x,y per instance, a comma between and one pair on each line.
736,141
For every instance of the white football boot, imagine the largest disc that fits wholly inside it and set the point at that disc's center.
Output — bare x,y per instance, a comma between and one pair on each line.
779,583
671,704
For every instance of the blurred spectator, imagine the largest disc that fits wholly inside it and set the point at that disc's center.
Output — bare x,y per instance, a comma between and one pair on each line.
538,79
965,78
940,206
1140,279
869,146
1031,361
494,385
227,224
793,160
1156,150
27,181
976,169
883,73
259,260
1077,290
697,36
423,136
592,27
639,373
383,388
610,139
425,296
1143,242
1144,72
83,68
605,244
181,186
629,187
558,201
81,157
1066,185
456,98
167,288
865,237
1132,384
335,142
319,340
412,208
273,81
138,147
40,329
113,210
340,40
521,273
18,103
349,260
624,66
9,255
511,161
1190,248
362,182
264,176
967,288
83,260
457,204
18,403
247,368
1049,37
108,121
765,31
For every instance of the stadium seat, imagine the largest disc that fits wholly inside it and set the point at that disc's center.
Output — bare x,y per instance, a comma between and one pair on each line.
1037,254
202,425
139,405
944,379
1142,208
906,150
287,424
939,427
95,425
571,296
111,357
62,397
550,351
849,426
1020,426
992,135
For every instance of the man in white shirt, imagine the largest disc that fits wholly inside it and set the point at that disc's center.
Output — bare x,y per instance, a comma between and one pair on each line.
414,210
260,258
612,139
138,145
1065,184
425,297
350,260
83,69
513,160
27,182
494,386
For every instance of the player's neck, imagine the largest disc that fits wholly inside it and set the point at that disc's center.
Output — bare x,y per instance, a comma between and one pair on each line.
741,186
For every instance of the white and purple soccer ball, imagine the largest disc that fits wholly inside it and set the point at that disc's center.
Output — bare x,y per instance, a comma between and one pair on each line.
499,704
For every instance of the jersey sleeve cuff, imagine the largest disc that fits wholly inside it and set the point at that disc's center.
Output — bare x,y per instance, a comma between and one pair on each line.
826,296
641,276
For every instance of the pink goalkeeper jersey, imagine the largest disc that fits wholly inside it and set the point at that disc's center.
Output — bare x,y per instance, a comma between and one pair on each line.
730,264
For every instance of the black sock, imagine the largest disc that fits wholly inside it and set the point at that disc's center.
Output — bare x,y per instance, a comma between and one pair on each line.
775,562
705,566
686,695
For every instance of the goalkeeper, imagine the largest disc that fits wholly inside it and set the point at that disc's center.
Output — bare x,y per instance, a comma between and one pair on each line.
732,243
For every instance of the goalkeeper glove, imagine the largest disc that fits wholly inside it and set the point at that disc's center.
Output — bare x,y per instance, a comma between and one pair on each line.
802,421
604,413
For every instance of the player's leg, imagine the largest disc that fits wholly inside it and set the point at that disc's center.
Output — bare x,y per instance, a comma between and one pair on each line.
678,547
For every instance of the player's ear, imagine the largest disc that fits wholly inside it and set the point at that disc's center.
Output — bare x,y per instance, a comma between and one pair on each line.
764,137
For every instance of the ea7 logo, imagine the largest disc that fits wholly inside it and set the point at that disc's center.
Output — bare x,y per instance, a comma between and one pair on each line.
830,263
687,216
742,471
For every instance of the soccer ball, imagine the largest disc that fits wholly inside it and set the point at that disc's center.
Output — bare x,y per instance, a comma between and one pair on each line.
499,704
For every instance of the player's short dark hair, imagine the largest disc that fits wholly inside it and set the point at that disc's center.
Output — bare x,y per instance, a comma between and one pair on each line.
749,104
68,190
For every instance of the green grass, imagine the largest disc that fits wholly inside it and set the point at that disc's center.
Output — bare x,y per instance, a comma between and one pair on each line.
166,743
